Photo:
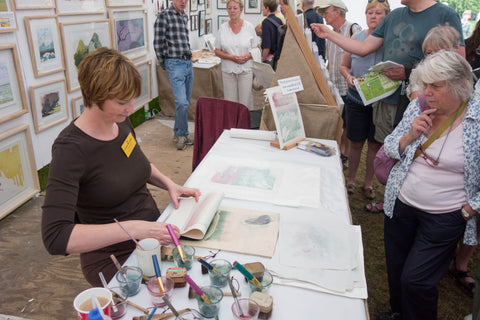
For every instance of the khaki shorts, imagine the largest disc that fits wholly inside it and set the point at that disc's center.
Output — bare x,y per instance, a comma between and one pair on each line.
383,119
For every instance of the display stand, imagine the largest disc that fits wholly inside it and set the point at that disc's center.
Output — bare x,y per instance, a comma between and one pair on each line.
288,146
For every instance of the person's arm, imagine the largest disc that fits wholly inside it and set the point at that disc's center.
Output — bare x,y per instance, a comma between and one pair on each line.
345,67
159,33
361,48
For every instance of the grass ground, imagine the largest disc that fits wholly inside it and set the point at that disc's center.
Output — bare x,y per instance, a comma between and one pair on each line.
454,303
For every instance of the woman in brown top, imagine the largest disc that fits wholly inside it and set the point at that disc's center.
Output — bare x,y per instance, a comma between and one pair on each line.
98,172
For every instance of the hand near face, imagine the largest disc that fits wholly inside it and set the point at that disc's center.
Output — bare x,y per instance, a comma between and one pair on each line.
422,124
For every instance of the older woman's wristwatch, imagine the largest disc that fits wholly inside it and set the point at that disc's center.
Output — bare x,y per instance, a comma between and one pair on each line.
465,214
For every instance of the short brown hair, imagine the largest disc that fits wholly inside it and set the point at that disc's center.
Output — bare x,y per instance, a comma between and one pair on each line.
272,5
107,74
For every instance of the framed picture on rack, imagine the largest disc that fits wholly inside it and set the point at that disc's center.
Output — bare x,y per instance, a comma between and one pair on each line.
222,4
13,99
20,178
145,70
45,45
201,23
8,19
208,6
253,6
73,7
77,106
129,32
193,5
34,4
124,3
221,19
79,39
208,26
49,104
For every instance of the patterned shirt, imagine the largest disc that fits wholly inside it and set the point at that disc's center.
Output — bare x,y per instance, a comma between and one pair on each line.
334,55
471,147
171,35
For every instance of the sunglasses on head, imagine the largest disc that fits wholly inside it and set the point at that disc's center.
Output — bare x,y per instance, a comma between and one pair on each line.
370,1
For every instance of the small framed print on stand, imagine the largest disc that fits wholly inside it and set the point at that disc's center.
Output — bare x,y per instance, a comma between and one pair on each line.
17,160
49,104
45,45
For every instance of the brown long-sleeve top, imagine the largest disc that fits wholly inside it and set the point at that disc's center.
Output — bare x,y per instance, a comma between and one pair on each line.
91,182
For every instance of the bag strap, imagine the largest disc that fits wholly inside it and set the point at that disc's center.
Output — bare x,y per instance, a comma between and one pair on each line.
440,130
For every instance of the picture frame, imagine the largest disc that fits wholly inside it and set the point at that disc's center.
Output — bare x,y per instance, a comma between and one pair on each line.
74,7
222,4
49,104
13,98
208,26
145,70
201,2
45,45
221,19
129,32
34,4
253,6
208,6
17,161
124,3
76,37
193,5
8,18
77,106
193,22
201,23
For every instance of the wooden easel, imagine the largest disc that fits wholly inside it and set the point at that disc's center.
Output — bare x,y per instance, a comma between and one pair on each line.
289,146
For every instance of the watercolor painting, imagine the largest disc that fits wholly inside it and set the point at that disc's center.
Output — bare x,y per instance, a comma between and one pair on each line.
18,178
129,32
256,178
6,93
49,104
253,227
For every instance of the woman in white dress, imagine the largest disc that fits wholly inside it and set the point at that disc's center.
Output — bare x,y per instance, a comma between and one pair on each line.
234,43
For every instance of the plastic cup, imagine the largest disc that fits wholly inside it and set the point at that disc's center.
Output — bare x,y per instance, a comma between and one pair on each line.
266,282
120,308
83,302
223,267
249,309
189,253
156,295
215,295
147,248
134,278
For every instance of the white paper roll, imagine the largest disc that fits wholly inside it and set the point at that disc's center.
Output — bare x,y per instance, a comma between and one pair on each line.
253,134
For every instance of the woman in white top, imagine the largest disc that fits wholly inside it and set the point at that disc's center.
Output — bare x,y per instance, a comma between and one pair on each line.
233,44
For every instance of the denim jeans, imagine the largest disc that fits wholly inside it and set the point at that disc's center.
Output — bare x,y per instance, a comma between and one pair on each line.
180,74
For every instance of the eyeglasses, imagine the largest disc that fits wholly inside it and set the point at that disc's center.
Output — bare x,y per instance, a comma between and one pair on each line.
428,159
370,1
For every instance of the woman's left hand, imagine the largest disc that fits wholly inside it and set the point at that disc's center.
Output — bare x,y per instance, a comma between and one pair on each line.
395,73
241,59
178,191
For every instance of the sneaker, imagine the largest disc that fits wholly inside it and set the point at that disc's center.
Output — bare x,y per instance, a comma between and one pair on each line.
182,142
175,139
344,161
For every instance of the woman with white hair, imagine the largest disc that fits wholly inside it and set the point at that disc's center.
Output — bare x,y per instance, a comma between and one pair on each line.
432,195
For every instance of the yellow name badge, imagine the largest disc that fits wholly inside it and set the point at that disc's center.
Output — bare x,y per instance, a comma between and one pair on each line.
129,144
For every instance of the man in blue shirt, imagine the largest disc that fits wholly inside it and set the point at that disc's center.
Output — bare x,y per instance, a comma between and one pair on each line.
313,17
172,47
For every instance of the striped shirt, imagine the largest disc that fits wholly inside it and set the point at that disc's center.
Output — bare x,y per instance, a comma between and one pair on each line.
171,35
334,56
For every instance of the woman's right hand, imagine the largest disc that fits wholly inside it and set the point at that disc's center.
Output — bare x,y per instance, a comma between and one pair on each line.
421,124
321,30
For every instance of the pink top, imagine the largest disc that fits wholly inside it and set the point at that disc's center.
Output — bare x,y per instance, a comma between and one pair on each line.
438,189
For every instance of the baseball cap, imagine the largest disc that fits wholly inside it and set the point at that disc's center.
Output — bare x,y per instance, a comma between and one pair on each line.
334,3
